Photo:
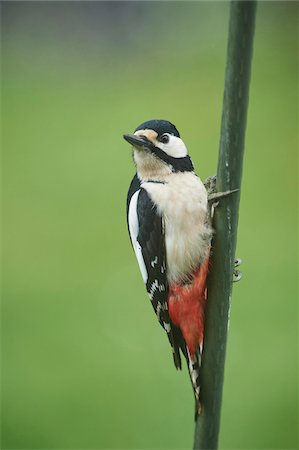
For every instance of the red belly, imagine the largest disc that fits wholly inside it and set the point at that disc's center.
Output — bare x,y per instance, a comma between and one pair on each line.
186,305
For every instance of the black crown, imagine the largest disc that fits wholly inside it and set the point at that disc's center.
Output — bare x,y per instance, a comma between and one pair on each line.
160,126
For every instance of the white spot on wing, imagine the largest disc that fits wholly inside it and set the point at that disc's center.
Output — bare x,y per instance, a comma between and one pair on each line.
134,229
154,262
153,288
166,327
158,310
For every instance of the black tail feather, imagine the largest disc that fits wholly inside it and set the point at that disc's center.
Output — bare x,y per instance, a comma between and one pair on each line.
193,365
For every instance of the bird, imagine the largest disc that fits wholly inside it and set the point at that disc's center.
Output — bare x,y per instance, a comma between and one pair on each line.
171,233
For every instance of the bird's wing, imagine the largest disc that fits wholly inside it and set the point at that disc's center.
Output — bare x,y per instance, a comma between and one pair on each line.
147,233
134,186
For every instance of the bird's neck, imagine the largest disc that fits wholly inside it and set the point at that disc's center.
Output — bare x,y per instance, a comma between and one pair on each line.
151,168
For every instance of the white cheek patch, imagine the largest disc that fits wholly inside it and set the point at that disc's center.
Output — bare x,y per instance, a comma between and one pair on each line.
175,147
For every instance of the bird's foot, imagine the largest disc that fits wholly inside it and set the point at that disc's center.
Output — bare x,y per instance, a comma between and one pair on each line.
237,275
215,196
210,184
238,262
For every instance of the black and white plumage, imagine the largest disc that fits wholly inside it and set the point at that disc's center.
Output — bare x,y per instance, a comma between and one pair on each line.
170,234
146,230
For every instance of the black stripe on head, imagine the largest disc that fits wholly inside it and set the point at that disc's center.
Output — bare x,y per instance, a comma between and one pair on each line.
159,126
183,164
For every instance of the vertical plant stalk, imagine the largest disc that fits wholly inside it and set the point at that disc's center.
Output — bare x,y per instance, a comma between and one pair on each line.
229,173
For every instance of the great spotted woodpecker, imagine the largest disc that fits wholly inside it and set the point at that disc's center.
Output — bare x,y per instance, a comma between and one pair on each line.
170,231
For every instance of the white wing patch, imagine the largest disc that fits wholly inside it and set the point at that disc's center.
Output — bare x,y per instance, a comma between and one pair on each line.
155,286
167,327
154,262
134,229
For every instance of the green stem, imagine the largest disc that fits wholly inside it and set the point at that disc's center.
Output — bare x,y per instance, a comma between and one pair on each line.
229,174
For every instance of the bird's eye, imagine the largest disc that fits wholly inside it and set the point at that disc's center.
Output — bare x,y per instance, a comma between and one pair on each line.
164,138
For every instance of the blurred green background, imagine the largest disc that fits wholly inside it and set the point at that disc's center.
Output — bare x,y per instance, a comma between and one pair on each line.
84,361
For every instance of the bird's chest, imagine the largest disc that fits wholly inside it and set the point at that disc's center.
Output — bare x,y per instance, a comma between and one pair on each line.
182,202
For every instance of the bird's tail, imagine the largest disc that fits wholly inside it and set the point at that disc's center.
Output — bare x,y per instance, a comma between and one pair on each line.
194,364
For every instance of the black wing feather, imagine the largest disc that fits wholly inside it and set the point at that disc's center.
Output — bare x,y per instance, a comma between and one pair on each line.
151,238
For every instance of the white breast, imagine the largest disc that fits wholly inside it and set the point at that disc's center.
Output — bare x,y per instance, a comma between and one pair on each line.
182,201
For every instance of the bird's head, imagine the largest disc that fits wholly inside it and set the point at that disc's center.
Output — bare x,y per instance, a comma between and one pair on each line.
158,149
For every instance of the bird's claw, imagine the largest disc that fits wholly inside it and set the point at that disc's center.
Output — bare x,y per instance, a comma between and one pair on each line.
217,195
210,184
237,275
213,196
238,262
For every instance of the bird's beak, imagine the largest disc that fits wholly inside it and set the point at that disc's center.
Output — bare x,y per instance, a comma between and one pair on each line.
138,141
